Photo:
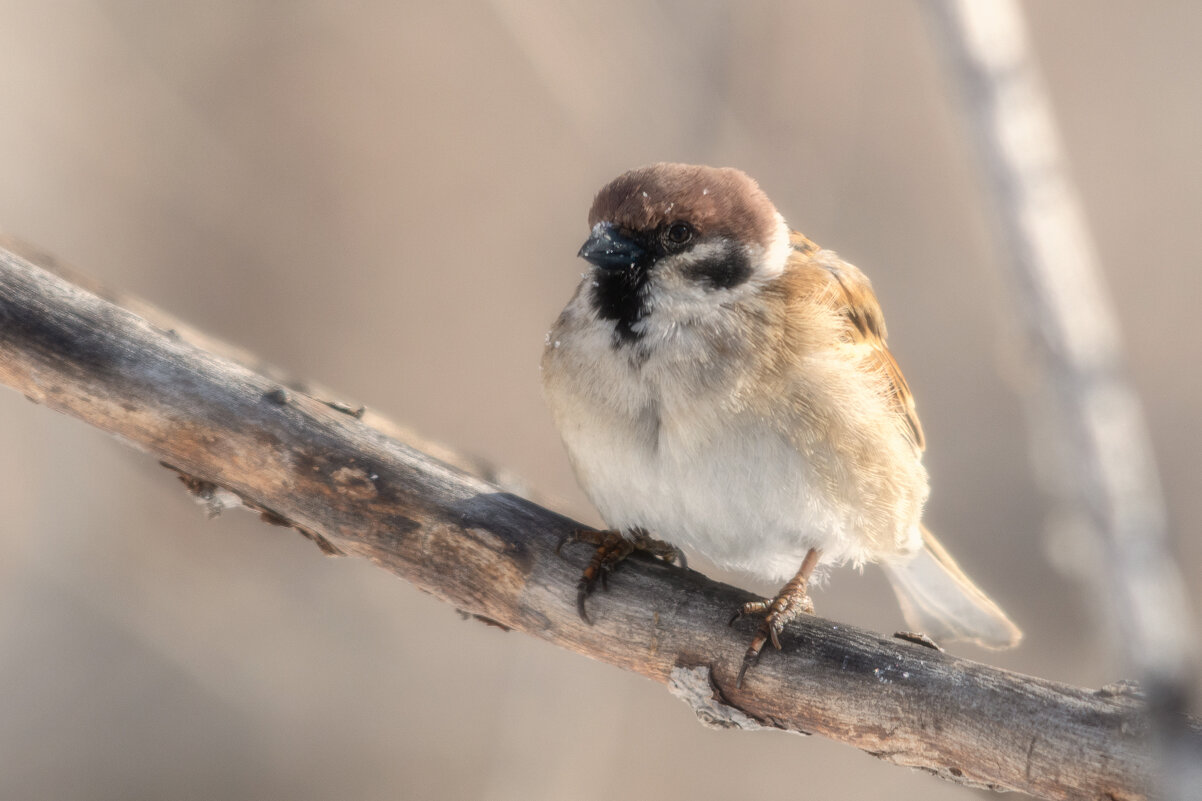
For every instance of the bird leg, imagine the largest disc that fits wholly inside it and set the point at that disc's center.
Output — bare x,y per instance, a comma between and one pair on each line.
612,549
789,604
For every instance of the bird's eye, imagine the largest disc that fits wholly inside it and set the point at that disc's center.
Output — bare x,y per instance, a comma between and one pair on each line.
680,233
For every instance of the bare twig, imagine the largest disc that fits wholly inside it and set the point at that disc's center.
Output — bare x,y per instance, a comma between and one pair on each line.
235,433
1101,465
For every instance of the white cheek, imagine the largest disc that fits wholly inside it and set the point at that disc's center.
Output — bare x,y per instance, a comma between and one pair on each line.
671,281
697,253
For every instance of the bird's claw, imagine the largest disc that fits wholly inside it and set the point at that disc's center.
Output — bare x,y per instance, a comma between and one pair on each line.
612,549
792,603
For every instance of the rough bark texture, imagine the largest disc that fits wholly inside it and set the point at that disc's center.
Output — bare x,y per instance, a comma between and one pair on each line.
305,462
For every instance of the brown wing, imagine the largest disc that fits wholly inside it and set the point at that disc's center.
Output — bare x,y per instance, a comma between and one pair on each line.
859,305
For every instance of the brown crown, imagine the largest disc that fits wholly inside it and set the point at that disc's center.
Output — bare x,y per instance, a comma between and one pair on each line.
714,200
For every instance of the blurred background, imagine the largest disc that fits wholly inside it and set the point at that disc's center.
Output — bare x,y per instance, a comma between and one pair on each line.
387,198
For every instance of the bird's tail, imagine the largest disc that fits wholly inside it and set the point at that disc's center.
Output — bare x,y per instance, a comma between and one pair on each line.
938,600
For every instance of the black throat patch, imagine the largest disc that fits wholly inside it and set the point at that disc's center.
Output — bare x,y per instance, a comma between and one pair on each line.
621,296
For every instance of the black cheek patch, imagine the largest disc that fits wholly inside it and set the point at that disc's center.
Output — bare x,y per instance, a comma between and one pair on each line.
723,269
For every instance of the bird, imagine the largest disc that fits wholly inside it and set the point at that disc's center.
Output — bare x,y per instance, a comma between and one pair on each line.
722,385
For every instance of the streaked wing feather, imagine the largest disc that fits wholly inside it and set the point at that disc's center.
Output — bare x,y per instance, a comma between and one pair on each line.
860,306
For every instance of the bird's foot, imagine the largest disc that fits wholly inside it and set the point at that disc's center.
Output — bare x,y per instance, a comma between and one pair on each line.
789,604
612,549
778,612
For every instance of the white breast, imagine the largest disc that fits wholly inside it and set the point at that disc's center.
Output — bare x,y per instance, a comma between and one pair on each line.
655,451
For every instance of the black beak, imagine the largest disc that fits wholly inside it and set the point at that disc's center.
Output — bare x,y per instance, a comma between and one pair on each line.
610,250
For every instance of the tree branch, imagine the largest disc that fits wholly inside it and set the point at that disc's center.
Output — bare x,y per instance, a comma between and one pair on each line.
301,461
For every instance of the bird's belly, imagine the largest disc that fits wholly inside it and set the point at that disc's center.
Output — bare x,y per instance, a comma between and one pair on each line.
742,496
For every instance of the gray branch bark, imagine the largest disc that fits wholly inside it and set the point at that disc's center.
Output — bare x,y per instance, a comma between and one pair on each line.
1087,424
231,431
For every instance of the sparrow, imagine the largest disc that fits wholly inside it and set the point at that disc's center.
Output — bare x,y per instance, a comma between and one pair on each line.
722,384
